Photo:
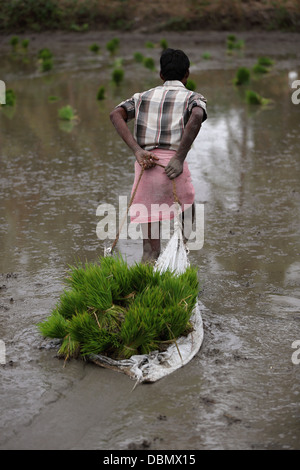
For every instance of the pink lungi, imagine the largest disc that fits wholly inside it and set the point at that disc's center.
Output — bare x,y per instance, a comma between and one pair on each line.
156,189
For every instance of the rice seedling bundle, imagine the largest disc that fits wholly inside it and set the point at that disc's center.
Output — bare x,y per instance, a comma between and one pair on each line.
110,308
138,57
149,63
113,45
191,84
242,76
101,93
117,75
67,113
254,98
10,97
94,48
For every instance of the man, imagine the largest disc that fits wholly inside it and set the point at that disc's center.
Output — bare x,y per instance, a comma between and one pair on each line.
167,120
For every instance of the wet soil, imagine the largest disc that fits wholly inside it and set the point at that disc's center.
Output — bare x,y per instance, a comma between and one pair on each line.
242,390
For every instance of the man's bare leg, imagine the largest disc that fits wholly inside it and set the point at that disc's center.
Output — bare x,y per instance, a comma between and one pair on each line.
151,241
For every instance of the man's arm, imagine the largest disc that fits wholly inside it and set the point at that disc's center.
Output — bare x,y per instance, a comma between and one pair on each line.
191,130
118,117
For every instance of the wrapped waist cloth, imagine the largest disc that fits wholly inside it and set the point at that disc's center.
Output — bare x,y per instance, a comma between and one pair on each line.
154,198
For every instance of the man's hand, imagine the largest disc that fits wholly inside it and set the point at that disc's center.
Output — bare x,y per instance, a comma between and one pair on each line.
145,159
174,168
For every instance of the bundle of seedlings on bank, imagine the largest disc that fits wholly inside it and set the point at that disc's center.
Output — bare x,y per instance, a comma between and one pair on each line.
117,310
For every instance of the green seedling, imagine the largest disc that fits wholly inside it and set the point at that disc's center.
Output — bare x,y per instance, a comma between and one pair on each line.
14,41
254,98
113,45
260,69
111,308
10,97
263,65
53,98
25,44
117,75
242,76
149,63
46,65
101,93
95,48
138,57
265,61
44,54
163,44
67,113
149,45
190,84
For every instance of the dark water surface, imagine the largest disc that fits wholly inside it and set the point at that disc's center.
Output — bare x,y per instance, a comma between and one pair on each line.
242,390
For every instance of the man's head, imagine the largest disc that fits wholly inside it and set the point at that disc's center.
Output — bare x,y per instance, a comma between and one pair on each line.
174,65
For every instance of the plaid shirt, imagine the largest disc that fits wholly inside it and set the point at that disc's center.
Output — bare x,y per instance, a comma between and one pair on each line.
161,114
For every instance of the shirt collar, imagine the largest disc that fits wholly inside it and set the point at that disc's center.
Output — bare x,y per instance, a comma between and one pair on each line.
175,83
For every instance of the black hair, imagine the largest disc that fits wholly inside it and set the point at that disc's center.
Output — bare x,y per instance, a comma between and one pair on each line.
174,64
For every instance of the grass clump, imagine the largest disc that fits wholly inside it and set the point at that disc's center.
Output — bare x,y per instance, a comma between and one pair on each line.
190,84
149,45
46,65
266,61
233,43
138,57
117,75
255,98
263,65
113,309
10,97
94,48
53,98
25,44
113,45
45,58
14,41
242,76
149,63
163,44
101,93
45,53
67,113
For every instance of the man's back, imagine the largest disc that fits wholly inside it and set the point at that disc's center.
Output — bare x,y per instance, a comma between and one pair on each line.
161,114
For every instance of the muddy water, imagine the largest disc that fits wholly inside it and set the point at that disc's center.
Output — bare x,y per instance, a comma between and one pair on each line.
242,390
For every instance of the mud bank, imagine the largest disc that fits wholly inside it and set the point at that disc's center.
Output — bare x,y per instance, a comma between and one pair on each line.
132,15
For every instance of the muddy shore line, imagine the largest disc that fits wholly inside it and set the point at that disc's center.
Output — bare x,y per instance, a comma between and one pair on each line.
151,17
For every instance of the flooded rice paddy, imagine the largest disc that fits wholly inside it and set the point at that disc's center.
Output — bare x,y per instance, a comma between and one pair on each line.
241,391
